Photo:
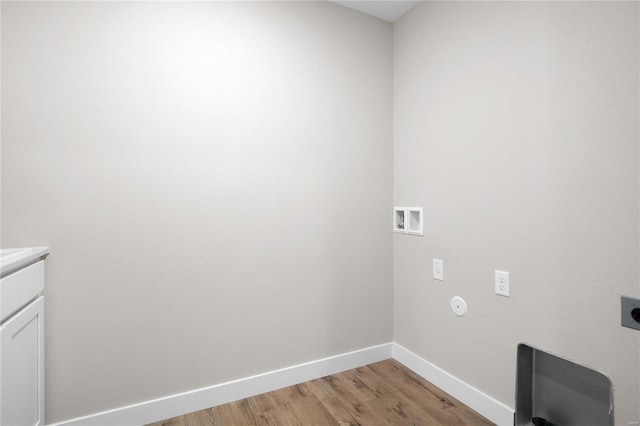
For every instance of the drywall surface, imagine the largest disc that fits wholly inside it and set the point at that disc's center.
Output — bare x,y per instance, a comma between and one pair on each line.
516,127
214,181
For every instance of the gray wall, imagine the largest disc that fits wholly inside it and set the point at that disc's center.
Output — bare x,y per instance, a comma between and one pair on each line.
214,181
516,127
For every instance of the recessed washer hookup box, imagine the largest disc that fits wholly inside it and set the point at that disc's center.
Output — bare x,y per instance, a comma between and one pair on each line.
560,392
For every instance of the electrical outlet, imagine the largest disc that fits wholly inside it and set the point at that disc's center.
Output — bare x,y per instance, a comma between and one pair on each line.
502,283
438,270
630,312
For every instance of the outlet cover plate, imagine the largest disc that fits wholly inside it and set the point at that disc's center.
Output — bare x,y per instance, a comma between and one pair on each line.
628,304
502,283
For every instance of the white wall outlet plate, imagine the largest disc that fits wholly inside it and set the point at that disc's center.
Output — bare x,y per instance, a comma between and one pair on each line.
438,269
502,283
458,306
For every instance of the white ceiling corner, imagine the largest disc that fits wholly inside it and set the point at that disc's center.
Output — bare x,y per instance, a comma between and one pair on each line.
388,10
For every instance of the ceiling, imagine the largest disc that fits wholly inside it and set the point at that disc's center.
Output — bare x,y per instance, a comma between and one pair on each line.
388,10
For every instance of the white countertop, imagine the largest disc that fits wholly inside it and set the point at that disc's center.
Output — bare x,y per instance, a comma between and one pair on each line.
16,258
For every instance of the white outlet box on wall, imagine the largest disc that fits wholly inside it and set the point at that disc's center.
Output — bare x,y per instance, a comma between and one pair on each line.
408,220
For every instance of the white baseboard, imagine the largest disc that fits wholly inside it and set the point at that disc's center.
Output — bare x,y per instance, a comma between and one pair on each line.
489,407
199,399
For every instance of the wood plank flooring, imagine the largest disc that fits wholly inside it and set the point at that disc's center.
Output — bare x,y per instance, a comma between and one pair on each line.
384,393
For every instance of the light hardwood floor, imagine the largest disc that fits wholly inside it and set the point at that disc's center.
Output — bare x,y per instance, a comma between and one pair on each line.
384,393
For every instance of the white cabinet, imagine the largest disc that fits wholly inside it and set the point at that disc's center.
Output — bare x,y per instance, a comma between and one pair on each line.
22,367
22,346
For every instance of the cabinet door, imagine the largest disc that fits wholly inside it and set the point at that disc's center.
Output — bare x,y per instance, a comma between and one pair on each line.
22,367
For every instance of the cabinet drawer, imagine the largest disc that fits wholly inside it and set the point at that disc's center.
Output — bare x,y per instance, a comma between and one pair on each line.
19,288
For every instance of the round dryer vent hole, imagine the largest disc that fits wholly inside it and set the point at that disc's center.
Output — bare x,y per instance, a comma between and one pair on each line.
458,306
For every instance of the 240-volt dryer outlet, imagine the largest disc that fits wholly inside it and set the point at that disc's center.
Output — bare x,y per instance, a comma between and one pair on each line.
630,308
